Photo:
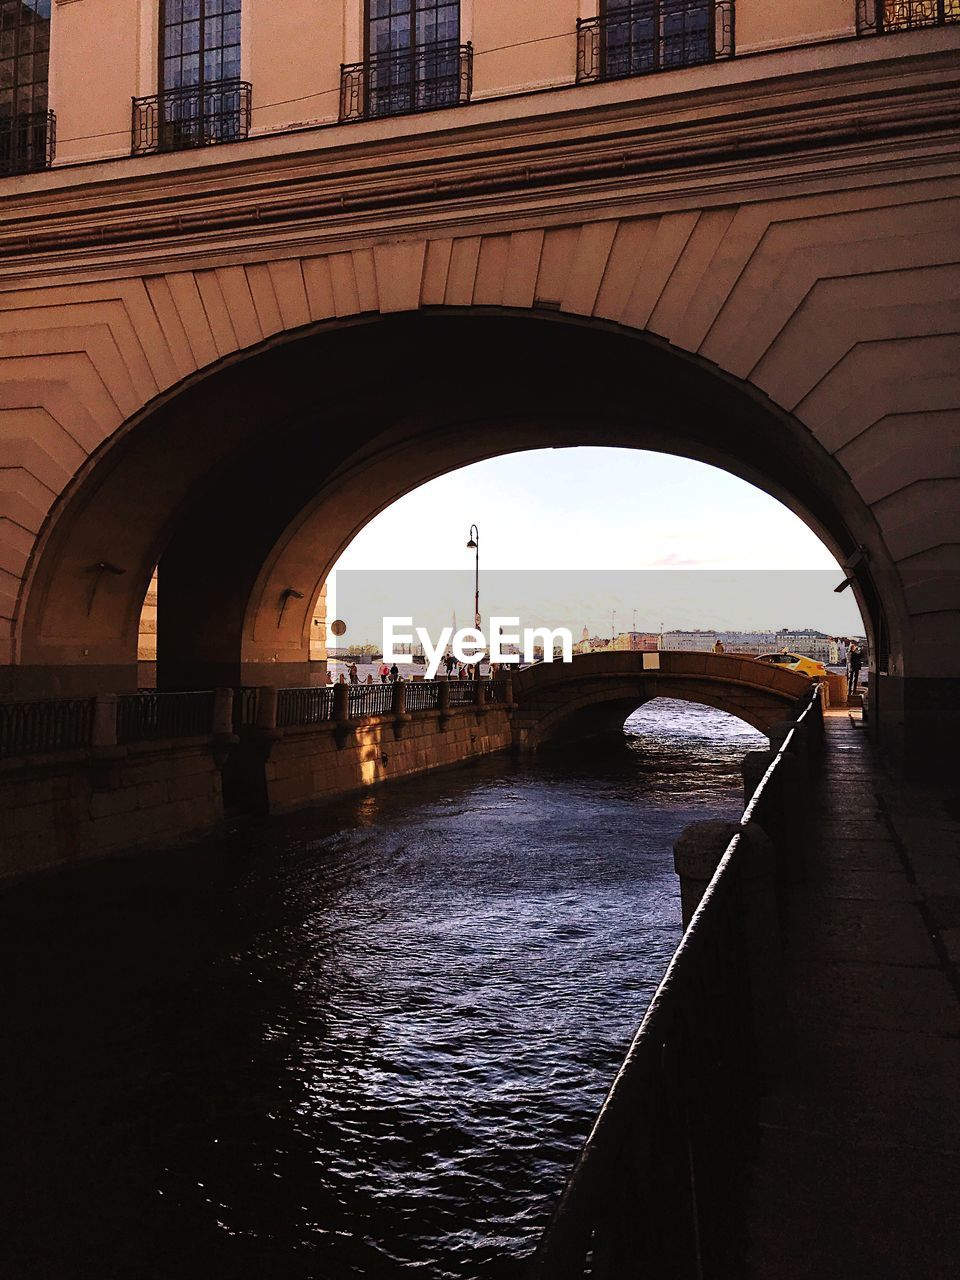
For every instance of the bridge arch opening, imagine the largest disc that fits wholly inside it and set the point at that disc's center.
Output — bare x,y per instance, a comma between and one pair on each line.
619,721
697,721
687,732
246,484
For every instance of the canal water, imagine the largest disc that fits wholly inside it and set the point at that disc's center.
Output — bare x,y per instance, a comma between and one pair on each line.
365,1040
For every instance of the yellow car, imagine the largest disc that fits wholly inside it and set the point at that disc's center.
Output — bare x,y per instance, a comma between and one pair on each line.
797,662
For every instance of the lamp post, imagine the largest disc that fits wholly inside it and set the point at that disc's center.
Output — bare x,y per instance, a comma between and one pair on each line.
474,545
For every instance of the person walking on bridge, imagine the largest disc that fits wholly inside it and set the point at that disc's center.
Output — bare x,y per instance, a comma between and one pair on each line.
718,646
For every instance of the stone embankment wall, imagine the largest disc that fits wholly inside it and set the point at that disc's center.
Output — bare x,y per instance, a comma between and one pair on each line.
308,764
59,809
62,808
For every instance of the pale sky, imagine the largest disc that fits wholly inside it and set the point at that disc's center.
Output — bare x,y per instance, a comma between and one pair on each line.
590,509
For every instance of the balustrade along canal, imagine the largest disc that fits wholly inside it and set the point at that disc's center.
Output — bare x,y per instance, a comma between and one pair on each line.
656,1189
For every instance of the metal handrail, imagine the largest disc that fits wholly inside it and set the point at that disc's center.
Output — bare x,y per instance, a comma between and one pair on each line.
149,715
462,692
499,689
634,40
49,724
568,1249
191,116
246,705
425,77
311,705
886,17
62,724
422,695
370,700
28,142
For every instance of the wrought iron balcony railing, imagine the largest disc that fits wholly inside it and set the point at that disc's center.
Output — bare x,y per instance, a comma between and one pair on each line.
883,17
28,142
654,35
424,78
192,116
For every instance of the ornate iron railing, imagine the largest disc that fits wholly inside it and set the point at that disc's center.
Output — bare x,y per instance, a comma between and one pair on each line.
499,689
28,142
883,17
654,35
655,1188
148,715
54,724
192,116
304,706
61,724
462,692
246,703
422,78
370,700
422,695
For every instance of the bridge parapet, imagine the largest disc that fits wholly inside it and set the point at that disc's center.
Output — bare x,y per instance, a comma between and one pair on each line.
596,692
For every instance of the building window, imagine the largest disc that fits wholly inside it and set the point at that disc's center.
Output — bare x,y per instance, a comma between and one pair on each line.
200,42
635,37
27,129
414,60
202,99
882,17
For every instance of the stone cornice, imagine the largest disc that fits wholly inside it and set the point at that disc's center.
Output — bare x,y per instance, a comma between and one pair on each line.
802,118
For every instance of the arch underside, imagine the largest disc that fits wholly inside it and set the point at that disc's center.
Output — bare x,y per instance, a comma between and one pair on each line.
578,710
248,483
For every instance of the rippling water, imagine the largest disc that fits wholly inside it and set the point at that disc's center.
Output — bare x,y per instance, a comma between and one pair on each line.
366,1040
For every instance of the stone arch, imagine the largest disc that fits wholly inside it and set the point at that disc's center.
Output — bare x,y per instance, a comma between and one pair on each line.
596,692
219,483
823,316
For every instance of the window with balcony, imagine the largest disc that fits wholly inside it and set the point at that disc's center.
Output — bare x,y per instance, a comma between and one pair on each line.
27,125
883,17
414,61
636,37
202,99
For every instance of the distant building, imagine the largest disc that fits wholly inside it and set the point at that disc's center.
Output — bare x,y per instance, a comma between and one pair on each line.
809,643
638,641
805,641
694,640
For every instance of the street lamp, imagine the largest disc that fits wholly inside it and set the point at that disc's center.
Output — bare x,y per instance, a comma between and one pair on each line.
474,546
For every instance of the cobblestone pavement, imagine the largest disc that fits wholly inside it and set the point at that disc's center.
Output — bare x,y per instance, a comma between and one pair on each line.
858,1167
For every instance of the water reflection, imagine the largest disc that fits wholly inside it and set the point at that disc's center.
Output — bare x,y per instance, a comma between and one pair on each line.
359,1041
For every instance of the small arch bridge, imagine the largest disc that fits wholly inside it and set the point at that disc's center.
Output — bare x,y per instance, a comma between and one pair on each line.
594,694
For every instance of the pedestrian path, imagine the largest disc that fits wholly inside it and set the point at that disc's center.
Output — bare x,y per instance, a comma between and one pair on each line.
857,1171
